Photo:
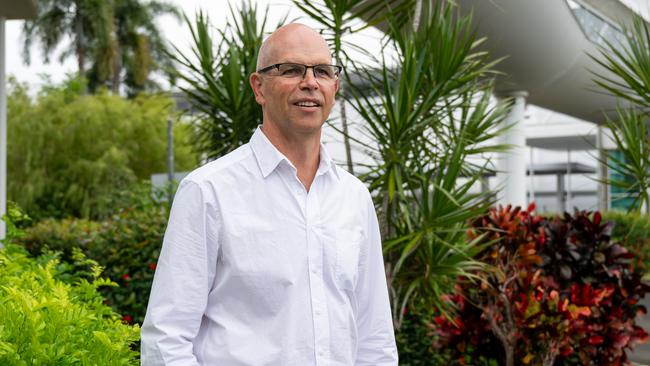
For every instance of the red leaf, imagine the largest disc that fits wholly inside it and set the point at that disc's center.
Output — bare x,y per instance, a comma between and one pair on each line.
595,339
566,351
531,207
597,218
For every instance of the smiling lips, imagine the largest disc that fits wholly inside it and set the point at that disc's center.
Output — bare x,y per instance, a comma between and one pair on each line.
307,103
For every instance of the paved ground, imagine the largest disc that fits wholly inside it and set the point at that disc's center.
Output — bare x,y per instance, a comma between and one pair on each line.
641,354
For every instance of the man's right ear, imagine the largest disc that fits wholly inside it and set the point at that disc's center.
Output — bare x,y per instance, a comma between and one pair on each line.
255,79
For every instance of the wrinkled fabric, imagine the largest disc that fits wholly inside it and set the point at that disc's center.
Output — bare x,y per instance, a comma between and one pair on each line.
255,270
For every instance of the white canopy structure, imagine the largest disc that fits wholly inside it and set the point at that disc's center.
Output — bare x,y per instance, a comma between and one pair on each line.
545,48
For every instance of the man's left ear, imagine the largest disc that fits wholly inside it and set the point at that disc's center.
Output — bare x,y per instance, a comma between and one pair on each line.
338,85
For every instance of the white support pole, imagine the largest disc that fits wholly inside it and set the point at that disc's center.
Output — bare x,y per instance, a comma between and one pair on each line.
3,131
568,179
532,175
511,166
561,194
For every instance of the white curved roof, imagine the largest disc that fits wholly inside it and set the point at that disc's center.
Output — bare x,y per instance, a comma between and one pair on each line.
546,51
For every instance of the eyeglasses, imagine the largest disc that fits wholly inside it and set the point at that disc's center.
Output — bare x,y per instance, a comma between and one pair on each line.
322,73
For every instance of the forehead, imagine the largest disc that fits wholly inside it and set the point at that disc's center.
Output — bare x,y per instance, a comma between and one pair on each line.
301,47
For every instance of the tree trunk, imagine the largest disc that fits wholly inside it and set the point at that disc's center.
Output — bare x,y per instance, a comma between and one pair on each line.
549,357
346,139
385,219
117,71
80,48
505,329
344,122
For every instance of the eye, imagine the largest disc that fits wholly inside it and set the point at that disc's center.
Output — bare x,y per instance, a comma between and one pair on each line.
324,71
291,70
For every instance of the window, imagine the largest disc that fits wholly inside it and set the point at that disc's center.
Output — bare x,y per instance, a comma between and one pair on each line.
597,29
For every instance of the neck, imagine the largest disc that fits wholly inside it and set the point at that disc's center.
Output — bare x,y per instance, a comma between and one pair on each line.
303,151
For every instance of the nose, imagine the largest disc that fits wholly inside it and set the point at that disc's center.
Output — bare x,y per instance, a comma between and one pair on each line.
309,80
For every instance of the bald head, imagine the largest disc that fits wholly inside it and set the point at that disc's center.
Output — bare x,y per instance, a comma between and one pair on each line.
287,37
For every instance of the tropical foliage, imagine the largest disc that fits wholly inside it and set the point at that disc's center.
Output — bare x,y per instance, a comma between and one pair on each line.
137,48
424,122
113,41
70,153
84,22
341,18
52,314
561,293
126,244
633,231
415,339
215,79
630,63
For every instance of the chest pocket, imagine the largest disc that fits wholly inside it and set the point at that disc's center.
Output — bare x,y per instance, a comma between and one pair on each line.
347,247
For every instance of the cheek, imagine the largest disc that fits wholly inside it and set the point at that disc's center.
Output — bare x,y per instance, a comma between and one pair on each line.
331,101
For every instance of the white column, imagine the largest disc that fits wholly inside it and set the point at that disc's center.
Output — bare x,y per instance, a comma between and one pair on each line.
511,166
531,175
561,193
568,181
3,131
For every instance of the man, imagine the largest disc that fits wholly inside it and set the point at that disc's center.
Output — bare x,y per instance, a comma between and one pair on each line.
272,255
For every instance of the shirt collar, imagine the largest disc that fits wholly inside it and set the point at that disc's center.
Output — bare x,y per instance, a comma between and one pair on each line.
326,163
269,157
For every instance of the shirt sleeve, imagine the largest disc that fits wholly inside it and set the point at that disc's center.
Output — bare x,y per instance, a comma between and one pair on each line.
376,338
184,274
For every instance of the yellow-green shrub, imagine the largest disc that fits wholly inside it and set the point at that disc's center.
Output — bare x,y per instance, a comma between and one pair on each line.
52,315
126,244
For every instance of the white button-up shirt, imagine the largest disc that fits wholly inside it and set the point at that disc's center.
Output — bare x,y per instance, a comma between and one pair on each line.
254,270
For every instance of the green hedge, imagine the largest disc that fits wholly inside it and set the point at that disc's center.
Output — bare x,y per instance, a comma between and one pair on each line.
633,231
52,314
70,152
127,245
415,339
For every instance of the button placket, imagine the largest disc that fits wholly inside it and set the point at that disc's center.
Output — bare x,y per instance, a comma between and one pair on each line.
317,285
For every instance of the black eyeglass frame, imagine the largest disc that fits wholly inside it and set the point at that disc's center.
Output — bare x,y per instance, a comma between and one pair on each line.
339,69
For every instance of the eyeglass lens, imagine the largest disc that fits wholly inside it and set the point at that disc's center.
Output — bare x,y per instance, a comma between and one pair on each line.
324,72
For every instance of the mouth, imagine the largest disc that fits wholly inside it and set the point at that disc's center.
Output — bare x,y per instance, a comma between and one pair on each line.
307,103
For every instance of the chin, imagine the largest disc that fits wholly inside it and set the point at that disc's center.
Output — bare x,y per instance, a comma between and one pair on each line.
308,125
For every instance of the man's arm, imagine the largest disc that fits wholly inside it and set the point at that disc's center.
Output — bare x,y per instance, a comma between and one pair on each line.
376,338
184,274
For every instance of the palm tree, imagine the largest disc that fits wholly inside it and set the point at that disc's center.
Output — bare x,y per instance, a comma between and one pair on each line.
140,49
118,38
215,79
340,18
87,23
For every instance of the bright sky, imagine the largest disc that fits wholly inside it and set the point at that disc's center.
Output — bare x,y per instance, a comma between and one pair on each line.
640,6
176,32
